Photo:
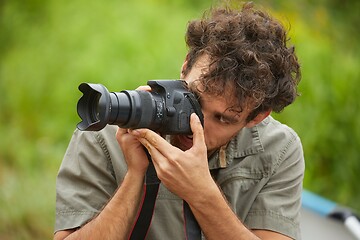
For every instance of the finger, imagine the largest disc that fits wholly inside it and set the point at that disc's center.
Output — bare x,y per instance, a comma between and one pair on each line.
148,137
144,88
156,156
121,130
198,131
150,140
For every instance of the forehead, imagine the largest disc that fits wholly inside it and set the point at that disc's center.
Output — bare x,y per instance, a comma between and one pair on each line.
219,104
227,96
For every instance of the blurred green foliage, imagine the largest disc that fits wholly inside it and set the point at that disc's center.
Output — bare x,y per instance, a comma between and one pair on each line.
48,47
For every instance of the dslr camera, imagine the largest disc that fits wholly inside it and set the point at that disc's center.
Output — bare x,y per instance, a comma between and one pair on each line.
165,109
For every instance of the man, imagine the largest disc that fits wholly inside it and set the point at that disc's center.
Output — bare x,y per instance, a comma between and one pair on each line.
241,174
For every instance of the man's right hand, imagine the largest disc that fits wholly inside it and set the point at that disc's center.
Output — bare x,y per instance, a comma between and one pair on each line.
134,152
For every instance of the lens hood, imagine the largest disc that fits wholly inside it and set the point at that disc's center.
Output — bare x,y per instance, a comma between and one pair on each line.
93,107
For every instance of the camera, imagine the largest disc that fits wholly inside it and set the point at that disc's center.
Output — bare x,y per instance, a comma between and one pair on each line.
165,109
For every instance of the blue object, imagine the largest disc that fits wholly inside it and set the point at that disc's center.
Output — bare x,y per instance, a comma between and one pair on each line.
317,203
329,209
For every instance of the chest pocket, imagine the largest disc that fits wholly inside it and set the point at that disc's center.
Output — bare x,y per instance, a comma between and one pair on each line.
241,184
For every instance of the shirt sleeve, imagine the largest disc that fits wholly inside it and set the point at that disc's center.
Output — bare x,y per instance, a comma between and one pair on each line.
85,181
277,206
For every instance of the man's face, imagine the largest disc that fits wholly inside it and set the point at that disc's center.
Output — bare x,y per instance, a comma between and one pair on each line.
222,120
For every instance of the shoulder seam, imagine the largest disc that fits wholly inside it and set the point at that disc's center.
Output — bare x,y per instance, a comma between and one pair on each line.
284,151
105,150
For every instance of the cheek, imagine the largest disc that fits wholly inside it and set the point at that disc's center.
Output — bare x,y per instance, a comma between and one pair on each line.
216,137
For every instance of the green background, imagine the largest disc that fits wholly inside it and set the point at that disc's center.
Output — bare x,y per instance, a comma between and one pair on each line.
48,47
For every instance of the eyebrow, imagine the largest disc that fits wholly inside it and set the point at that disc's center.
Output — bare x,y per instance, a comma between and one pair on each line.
230,119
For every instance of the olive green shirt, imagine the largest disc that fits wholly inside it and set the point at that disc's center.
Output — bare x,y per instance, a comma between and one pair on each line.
260,173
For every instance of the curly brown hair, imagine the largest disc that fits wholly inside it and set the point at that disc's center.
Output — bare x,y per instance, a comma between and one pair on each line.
248,51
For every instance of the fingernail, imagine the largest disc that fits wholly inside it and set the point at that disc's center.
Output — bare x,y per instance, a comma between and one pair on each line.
195,116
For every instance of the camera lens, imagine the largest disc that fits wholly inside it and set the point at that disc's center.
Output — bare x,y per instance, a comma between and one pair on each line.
139,111
127,109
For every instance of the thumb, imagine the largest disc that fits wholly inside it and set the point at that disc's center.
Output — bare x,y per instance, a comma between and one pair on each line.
198,131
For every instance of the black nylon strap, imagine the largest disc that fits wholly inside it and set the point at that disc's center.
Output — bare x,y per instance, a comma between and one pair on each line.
192,228
152,183
143,221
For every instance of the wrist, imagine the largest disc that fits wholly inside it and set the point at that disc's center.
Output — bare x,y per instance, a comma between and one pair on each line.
135,174
205,196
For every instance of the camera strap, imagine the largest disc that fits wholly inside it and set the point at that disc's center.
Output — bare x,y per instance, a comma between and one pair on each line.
151,188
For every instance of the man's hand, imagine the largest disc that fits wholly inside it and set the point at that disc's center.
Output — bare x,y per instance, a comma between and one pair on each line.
133,151
182,172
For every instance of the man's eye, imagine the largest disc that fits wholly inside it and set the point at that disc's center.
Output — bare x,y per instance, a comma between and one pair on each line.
222,120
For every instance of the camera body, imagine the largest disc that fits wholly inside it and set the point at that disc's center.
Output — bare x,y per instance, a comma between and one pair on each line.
166,109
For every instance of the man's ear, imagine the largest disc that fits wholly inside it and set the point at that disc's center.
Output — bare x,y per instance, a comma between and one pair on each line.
261,116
